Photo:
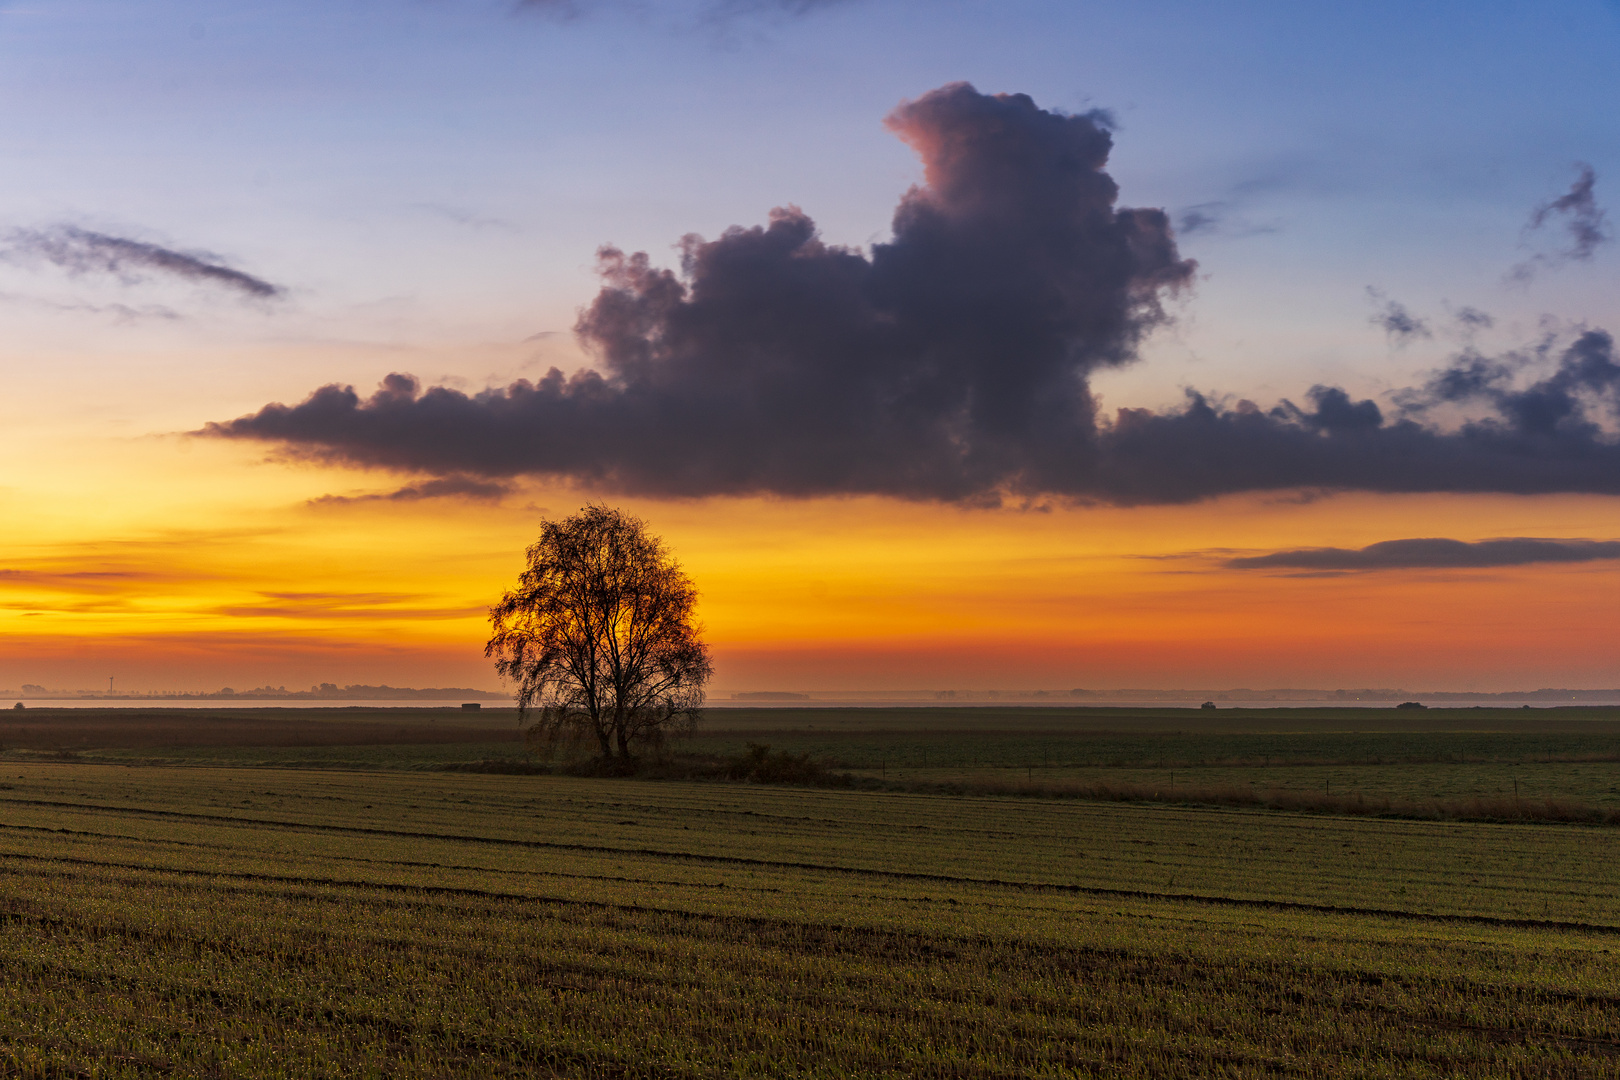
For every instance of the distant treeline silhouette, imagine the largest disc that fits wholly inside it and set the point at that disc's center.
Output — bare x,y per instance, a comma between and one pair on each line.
320,692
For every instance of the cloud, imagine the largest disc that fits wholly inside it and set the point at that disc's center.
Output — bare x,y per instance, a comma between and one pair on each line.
326,605
1522,434
711,12
1227,215
949,361
1584,223
81,251
465,218
953,362
564,10
463,487
1433,554
726,9
1220,218
121,313
1202,218
1397,321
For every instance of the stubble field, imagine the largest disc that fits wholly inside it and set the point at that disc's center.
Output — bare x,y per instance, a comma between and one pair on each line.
198,921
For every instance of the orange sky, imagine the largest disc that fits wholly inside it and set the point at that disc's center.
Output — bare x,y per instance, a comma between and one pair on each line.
207,213
171,563
210,208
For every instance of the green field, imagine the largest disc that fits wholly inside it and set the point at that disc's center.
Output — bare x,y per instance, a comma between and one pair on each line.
1437,755
262,921
314,893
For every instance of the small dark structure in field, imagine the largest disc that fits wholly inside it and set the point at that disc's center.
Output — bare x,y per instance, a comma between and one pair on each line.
1207,705
470,705
1411,705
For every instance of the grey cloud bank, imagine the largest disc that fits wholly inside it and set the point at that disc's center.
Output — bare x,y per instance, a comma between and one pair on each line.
1433,553
953,363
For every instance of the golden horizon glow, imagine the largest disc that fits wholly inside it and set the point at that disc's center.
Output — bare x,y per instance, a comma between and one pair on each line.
232,570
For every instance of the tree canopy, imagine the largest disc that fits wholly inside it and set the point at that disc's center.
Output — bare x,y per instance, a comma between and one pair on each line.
600,636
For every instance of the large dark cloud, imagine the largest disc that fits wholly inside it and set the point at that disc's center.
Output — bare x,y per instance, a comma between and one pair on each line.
953,363
949,363
82,251
1433,553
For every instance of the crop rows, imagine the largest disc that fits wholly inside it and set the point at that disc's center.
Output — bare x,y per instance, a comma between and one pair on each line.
204,922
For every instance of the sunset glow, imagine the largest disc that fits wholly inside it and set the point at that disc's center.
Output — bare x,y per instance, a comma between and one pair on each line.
441,218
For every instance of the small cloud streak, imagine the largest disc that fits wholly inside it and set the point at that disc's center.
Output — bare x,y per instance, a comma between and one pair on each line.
465,218
346,606
1432,553
1203,218
449,487
711,12
120,313
81,251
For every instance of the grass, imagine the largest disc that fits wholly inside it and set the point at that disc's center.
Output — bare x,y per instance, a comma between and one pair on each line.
1499,764
292,922
1496,763
997,893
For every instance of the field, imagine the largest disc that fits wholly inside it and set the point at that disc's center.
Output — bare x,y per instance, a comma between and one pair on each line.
1318,758
379,917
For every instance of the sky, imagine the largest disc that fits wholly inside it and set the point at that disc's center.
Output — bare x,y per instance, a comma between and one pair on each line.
950,346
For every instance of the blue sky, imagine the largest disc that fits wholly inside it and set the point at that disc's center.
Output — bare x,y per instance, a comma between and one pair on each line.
441,171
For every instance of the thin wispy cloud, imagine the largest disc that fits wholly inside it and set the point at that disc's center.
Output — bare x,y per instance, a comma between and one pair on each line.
1432,553
1230,214
466,218
82,252
450,487
710,12
120,313
346,606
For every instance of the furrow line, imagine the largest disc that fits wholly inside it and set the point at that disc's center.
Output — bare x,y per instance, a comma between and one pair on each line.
898,875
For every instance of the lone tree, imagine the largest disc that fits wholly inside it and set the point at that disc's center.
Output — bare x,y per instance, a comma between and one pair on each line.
600,638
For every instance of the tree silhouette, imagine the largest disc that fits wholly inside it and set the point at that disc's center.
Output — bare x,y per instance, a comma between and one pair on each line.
600,637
